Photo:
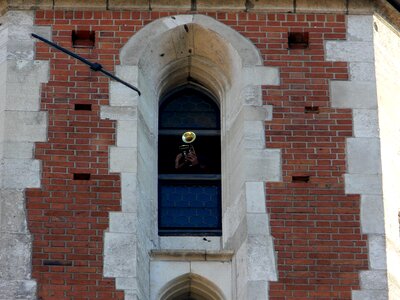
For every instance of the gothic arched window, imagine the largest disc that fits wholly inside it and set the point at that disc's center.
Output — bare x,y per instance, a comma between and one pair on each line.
189,174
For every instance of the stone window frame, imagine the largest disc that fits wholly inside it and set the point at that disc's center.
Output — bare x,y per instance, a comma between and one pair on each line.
236,80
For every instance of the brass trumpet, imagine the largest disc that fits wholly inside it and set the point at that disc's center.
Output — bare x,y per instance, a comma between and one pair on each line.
188,137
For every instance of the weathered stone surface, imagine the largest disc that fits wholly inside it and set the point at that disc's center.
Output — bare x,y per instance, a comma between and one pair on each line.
261,256
25,126
190,243
171,5
256,290
271,5
127,133
254,134
118,113
363,156
263,165
123,160
116,261
255,197
366,184
369,295
372,214
373,280
28,5
365,123
123,222
362,71
261,75
377,252
128,4
226,4
76,4
321,6
17,289
17,150
348,94
12,211
15,256
21,173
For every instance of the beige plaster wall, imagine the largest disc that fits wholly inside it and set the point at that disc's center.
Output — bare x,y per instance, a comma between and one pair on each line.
387,65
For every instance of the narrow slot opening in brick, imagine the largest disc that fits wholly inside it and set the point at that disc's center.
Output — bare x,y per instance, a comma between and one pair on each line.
80,106
83,38
311,110
300,178
81,176
298,40
56,263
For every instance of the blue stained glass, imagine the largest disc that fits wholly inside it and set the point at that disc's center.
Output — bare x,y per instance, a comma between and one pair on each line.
189,206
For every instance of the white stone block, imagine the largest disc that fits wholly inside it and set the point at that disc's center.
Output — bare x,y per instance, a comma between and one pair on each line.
257,290
177,21
252,95
25,126
372,215
349,94
17,289
22,150
127,134
190,243
118,113
123,159
15,255
349,51
162,272
12,211
366,184
123,222
365,123
261,75
258,224
263,165
261,258
120,255
254,134
255,197
219,273
362,71
21,173
360,28
128,73
369,295
128,192
121,95
373,280
377,252
22,97
28,72
364,156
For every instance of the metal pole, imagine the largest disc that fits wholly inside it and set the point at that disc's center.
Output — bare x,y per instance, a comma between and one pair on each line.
94,66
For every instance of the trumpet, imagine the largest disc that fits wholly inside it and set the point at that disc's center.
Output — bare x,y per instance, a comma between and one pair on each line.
188,137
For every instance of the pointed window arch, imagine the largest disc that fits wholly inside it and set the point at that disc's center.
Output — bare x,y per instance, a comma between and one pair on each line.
189,174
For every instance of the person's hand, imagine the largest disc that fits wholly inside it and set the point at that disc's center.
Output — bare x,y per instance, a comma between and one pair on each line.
178,159
192,159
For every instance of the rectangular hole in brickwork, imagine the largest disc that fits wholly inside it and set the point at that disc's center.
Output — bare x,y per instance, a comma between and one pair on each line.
57,263
83,38
298,40
311,110
81,106
81,176
300,178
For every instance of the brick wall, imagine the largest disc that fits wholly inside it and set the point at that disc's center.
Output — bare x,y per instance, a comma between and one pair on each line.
315,225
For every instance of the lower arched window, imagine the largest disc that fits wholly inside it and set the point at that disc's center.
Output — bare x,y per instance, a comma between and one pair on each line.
189,163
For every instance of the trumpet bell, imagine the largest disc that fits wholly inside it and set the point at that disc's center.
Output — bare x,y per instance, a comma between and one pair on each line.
188,137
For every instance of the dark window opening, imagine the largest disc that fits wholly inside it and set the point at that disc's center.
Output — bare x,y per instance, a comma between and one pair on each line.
83,39
189,174
298,40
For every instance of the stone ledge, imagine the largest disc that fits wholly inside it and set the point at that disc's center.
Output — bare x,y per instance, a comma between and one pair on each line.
191,255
